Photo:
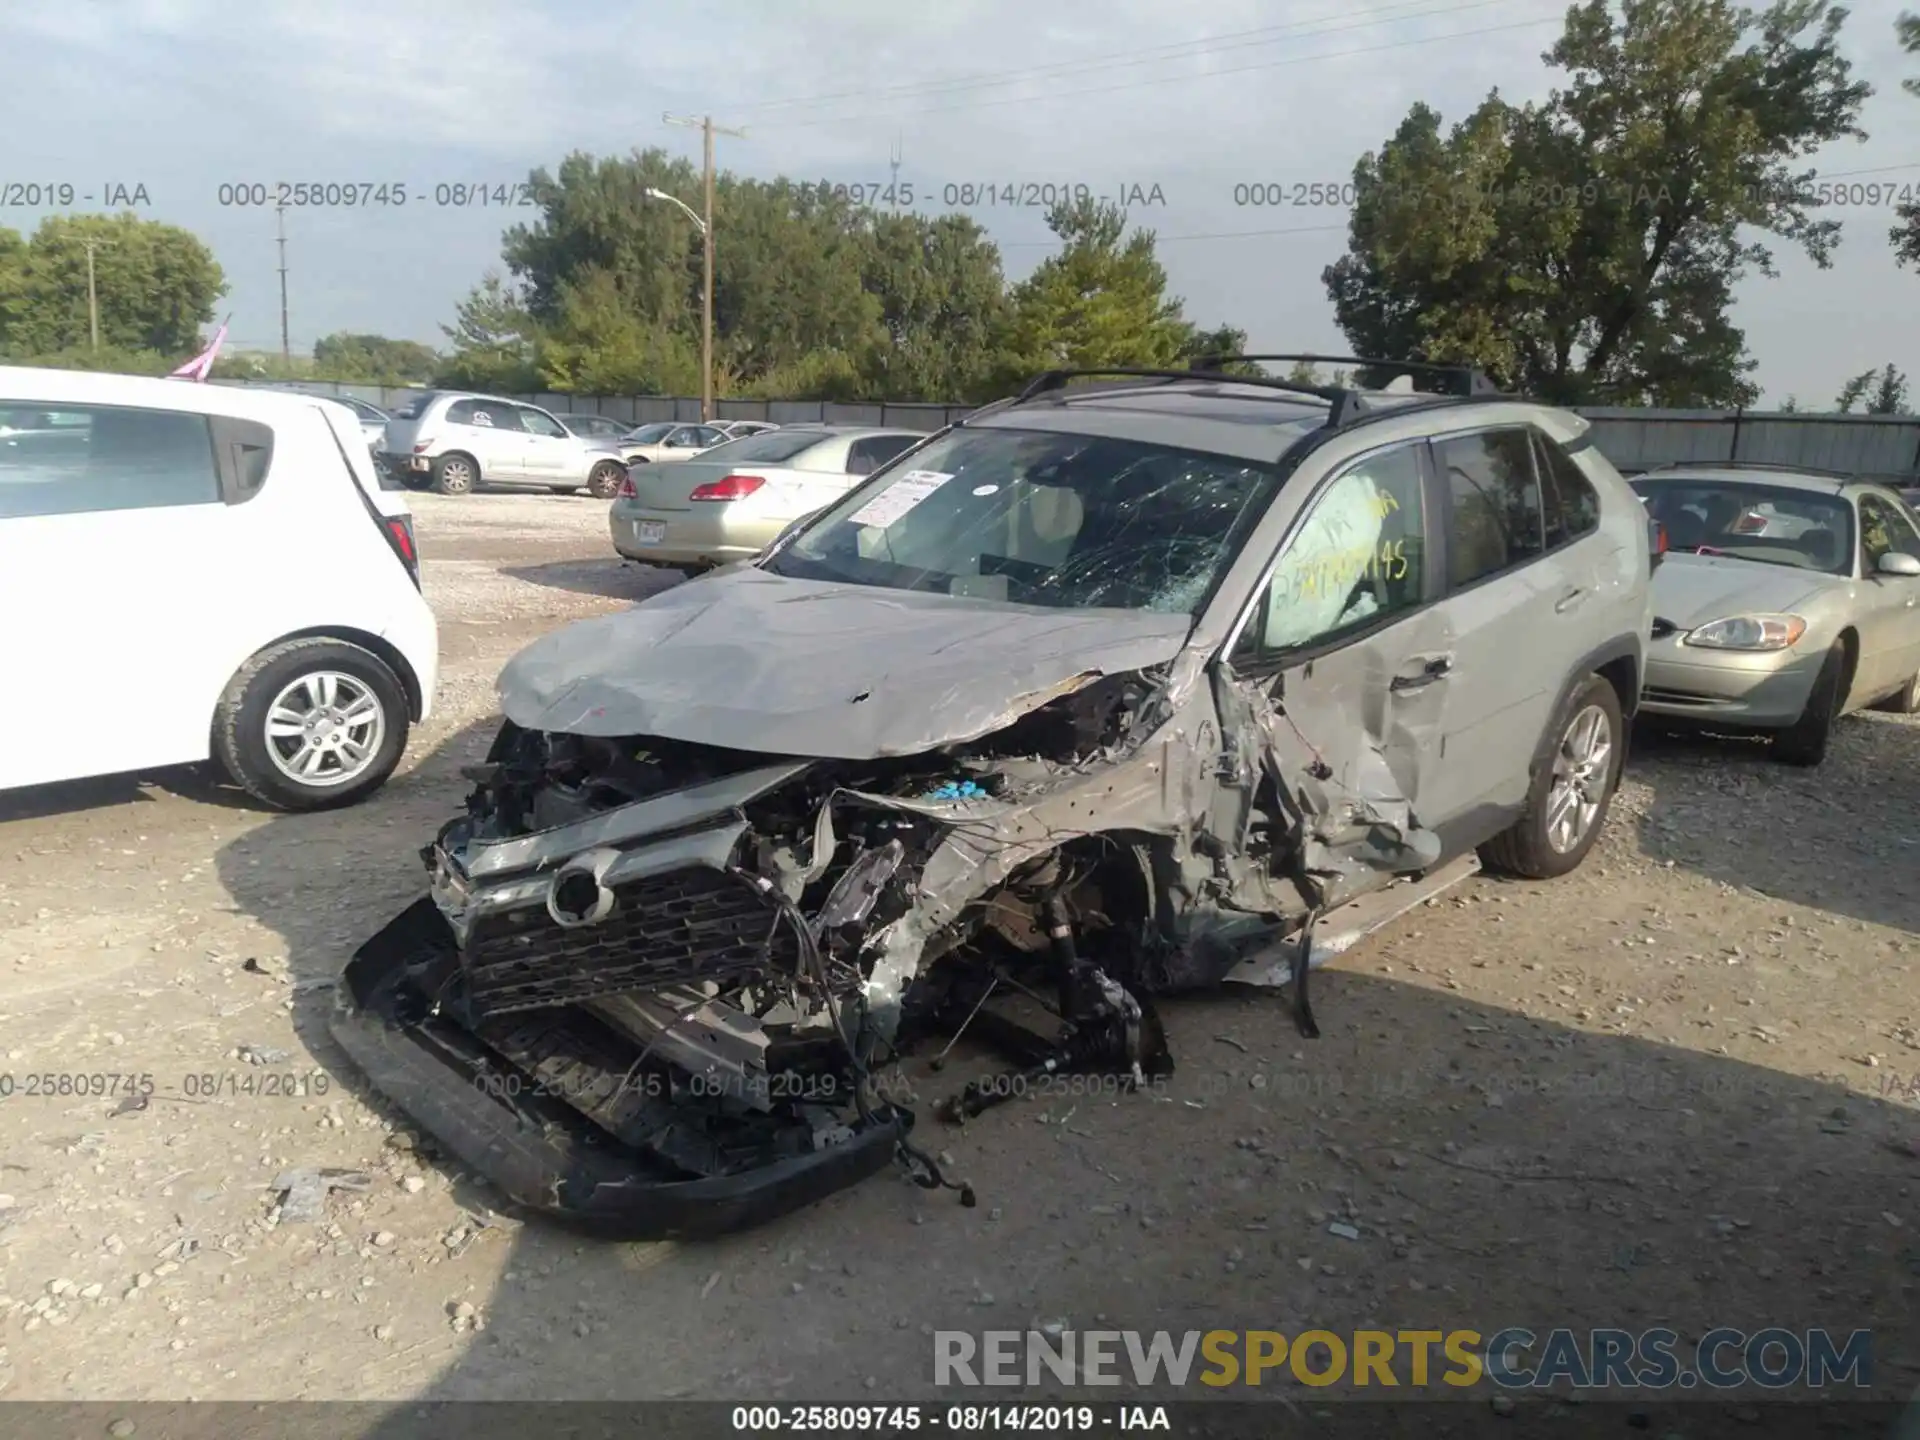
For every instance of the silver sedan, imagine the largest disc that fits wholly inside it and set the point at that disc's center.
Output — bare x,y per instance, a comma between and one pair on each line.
1786,600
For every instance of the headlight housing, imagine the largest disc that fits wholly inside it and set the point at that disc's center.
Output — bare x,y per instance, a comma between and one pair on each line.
1749,632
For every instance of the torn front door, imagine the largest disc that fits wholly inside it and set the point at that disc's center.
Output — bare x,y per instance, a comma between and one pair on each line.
1349,739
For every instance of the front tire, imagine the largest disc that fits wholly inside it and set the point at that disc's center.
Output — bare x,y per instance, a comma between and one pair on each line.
1804,743
604,482
1568,803
312,725
455,475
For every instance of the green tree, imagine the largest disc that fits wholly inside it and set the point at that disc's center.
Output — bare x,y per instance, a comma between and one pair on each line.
943,306
1852,392
1101,301
1884,391
265,365
1789,406
599,345
1585,248
1906,235
1889,394
1221,340
496,340
156,286
789,266
373,359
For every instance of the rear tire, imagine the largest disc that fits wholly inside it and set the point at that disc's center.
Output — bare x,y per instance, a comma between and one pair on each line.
455,475
258,737
1537,846
1804,743
1904,701
604,482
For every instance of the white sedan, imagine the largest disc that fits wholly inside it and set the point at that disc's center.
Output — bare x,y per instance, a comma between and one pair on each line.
655,444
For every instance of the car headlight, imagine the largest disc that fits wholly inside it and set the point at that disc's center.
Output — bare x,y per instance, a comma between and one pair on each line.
1749,632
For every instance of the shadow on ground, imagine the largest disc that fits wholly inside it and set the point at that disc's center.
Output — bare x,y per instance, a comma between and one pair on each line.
613,578
1842,837
1497,1170
198,783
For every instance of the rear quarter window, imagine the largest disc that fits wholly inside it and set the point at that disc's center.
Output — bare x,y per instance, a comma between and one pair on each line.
83,459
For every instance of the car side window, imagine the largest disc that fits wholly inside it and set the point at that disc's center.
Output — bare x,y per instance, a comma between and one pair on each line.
536,423
483,413
1359,554
1884,531
1494,519
868,455
81,459
1570,503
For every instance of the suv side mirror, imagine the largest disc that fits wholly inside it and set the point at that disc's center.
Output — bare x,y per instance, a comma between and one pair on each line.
1895,563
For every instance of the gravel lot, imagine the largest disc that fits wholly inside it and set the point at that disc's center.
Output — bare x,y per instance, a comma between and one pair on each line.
1678,1087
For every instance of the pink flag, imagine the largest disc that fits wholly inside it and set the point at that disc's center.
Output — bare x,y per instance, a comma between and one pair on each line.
197,368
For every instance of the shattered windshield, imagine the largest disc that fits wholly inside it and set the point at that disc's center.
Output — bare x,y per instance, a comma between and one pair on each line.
1772,524
1069,521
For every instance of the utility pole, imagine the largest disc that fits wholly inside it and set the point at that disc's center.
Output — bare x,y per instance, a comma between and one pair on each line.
707,131
894,158
93,293
280,228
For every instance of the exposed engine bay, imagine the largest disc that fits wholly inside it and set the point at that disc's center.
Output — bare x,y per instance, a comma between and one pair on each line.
656,985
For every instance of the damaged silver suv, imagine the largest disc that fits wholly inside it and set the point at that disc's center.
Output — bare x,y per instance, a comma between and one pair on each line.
1133,684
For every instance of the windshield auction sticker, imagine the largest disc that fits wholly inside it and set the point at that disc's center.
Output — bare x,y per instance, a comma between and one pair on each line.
900,497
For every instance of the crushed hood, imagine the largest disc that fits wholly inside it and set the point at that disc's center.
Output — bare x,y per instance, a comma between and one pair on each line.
750,661
1691,590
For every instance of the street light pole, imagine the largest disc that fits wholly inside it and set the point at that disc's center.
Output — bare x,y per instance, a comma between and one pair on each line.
707,131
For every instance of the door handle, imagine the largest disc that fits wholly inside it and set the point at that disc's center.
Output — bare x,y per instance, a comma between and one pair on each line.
1436,667
1567,601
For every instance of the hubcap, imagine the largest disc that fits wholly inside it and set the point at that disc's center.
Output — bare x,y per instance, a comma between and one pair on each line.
325,729
456,474
1582,767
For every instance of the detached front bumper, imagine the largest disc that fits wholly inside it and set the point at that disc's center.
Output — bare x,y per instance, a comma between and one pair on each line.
1732,688
537,1149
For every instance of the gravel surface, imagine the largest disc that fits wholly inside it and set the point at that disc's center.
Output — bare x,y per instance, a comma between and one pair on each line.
1681,1086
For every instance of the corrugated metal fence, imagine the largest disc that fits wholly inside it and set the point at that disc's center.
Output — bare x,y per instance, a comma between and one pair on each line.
1881,446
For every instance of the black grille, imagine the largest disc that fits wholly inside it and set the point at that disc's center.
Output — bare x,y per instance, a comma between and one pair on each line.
696,924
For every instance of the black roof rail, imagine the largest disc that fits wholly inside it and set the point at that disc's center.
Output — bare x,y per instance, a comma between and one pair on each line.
1049,380
1347,405
1769,465
1465,379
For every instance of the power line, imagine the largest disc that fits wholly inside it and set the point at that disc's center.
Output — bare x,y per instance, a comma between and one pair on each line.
1121,59
1209,75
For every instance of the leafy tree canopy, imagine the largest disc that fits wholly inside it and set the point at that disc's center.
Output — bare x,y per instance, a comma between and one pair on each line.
1585,248
154,285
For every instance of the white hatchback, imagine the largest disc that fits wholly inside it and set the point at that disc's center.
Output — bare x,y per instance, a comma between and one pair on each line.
193,572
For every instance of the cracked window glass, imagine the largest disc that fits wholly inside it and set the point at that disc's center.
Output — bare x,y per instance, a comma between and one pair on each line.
1028,518
1358,555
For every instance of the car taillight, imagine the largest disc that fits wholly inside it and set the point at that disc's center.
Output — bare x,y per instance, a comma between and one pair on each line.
1656,543
399,530
1749,524
626,491
732,487
423,447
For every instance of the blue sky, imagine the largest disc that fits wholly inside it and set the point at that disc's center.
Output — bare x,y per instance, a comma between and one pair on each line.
183,96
